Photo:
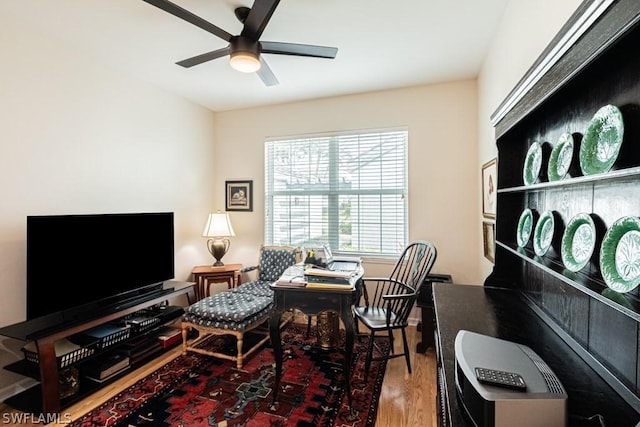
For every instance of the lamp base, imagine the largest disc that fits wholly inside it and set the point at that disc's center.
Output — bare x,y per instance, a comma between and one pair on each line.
218,247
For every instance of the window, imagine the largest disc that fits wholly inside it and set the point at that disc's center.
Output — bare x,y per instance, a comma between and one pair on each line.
345,189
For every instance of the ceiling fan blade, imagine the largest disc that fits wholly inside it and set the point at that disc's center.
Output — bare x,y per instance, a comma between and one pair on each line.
199,59
265,73
181,13
258,18
299,49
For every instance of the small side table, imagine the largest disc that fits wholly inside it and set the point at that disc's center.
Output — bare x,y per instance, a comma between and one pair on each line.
204,275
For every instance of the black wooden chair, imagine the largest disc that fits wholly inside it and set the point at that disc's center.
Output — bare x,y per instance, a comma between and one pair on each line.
394,298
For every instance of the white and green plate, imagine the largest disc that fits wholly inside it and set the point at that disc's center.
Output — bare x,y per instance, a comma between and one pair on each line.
543,233
560,158
532,164
602,140
525,226
620,255
578,242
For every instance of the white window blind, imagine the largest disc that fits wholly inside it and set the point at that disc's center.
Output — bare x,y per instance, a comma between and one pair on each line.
345,189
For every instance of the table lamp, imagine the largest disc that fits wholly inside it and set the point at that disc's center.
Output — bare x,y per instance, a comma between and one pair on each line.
218,228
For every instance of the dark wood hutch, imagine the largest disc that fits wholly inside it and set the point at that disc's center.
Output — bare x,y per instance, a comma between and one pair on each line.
589,335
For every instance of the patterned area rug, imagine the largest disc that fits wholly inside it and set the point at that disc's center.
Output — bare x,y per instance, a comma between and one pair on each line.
197,390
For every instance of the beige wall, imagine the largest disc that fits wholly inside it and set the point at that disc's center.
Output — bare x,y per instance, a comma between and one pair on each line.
442,150
80,138
526,29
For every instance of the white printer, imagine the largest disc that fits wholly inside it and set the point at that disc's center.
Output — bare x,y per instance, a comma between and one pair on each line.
504,384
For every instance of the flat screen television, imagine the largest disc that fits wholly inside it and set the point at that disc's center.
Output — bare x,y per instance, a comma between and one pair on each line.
79,264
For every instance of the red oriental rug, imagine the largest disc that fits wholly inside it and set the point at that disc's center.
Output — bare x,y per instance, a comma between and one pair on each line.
197,390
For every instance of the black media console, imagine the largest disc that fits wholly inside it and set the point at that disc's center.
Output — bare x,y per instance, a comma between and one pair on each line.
46,332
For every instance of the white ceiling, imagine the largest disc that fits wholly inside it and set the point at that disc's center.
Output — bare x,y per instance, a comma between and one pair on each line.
382,44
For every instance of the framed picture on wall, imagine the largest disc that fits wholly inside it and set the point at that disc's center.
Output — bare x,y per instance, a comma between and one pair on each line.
239,196
489,240
489,184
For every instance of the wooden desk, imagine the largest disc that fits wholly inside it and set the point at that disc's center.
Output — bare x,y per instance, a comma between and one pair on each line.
312,301
204,275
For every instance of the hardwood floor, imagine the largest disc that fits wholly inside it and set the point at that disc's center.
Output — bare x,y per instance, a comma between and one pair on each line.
406,400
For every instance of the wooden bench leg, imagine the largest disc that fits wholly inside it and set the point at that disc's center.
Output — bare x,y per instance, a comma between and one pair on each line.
239,340
185,334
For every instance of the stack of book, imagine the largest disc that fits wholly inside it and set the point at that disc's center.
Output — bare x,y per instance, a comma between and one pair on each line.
329,279
140,348
105,366
169,336
299,276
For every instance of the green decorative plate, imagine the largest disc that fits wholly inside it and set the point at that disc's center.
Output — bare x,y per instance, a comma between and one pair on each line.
620,254
543,234
561,157
525,225
601,143
578,242
532,164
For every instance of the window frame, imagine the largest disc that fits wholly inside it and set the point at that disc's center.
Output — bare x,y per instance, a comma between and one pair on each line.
334,192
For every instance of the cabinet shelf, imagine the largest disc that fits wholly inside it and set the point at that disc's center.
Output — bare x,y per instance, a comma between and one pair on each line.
588,284
615,175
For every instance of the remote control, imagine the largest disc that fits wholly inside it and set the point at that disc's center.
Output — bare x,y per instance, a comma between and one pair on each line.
501,378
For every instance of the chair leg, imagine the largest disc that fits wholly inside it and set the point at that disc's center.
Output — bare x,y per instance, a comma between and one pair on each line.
357,333
367,363
391,341
406,349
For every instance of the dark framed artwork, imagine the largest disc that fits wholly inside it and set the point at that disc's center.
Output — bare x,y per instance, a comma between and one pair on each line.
489,240
489,182
239,196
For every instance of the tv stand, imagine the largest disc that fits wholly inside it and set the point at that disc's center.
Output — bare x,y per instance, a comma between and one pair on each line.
137,299
45,339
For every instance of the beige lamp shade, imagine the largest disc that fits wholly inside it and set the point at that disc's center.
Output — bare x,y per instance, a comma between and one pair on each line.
218,228
218,225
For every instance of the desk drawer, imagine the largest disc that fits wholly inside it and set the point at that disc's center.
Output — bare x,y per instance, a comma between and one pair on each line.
314,302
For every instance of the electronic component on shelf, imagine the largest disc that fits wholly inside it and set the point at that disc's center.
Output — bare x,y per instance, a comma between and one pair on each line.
503,384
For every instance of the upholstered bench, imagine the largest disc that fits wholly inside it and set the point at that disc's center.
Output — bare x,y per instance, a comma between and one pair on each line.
239,310
227,313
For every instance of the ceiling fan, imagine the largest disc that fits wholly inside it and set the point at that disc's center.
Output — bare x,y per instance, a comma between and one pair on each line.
246,48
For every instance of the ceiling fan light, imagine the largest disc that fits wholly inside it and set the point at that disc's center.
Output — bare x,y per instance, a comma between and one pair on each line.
245,62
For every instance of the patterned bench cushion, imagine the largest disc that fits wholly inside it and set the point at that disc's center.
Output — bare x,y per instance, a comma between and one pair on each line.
259,317
229,306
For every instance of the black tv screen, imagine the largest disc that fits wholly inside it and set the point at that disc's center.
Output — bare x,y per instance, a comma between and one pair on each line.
83,262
